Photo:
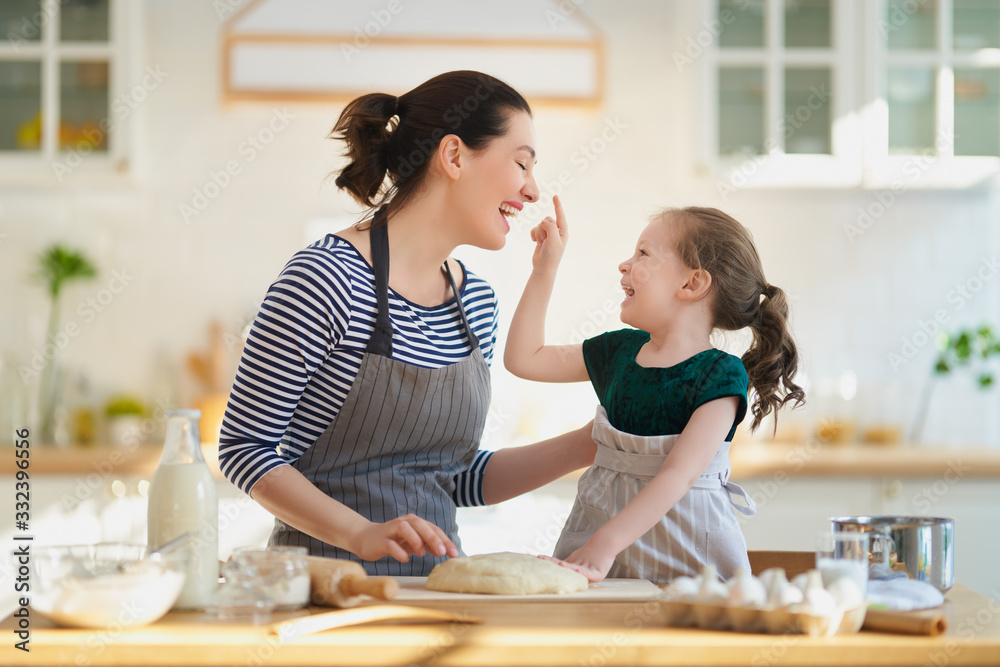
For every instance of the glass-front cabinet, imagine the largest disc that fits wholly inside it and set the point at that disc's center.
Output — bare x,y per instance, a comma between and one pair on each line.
934,101
60,68
782,100
847,93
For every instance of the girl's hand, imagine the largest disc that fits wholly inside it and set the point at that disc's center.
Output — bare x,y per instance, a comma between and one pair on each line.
589,561
400,538
550,237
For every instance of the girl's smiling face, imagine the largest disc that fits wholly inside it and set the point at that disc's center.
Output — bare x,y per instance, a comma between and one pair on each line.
496,183
651,277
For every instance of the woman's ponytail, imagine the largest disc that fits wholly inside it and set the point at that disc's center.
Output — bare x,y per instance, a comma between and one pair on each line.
772,359
364,126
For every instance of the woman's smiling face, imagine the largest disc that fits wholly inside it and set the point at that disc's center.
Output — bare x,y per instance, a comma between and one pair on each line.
496,182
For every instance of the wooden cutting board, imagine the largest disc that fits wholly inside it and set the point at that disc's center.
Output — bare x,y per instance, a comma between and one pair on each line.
609,590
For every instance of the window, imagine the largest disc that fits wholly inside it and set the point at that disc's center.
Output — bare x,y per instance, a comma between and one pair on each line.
940,82
58,65
780,67
839,93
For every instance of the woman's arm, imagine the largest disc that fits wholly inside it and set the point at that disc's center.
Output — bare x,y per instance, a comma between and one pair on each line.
287,494
694,450
304,314
517,470
526,355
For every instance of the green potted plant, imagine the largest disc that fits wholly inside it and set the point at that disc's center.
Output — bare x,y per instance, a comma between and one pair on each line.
971,349
124,415
57,266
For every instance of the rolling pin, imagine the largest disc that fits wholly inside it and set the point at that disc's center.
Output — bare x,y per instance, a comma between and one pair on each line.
343,583
930,623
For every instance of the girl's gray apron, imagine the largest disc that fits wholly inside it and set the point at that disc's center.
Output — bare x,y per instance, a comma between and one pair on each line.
401,436
699,529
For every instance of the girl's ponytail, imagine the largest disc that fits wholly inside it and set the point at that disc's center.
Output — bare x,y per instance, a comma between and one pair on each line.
364,125
772,359
707,238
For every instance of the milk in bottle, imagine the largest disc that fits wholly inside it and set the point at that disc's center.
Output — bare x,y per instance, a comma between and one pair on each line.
182,499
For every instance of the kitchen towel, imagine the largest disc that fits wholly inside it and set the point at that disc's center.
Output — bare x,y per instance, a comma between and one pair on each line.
902,594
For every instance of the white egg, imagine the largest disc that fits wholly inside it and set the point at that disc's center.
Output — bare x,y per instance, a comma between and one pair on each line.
772,573
681,587
746,590
711,589
781,593
815,599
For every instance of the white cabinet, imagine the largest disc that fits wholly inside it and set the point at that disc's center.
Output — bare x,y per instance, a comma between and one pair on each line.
791,511
888,94
780,93
68,88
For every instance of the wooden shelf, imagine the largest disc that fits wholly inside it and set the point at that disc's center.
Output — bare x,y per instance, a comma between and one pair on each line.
105,460
828,460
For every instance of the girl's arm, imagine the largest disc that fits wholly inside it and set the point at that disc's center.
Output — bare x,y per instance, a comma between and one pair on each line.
287,494
526,355
694,450
517,470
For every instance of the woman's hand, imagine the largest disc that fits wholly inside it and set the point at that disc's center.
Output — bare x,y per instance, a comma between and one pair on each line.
589,561
400,538
550,237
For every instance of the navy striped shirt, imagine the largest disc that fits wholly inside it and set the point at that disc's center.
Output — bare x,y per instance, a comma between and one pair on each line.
305,348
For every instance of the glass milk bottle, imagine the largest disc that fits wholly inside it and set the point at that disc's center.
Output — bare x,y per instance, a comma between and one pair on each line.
182,499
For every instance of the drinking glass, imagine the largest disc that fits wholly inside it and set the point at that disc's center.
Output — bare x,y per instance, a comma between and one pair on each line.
843,554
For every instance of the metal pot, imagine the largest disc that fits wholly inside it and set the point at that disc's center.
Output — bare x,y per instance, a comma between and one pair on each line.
925,546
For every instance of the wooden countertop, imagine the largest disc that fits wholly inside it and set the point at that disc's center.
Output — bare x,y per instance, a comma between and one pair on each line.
550,634
749,459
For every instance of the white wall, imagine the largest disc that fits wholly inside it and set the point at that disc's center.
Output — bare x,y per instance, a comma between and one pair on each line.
853,302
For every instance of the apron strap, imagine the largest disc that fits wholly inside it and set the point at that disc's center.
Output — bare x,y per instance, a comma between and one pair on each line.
473,339
381,340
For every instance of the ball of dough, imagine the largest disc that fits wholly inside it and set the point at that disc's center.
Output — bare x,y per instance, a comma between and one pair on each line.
504,573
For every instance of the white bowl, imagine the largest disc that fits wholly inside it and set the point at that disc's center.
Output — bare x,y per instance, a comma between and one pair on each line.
108,585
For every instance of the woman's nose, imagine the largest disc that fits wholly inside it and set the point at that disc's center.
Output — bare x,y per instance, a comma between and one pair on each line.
530,190
623,267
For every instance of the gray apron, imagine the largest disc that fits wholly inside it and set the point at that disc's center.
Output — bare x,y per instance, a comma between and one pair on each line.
401,436
699,529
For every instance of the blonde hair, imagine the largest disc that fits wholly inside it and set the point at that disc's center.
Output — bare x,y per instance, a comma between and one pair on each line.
708,239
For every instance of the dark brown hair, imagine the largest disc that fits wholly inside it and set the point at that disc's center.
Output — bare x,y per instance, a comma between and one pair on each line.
397,136
709,239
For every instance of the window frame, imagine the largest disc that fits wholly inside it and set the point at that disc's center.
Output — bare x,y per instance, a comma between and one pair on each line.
842,167
860,59
50,162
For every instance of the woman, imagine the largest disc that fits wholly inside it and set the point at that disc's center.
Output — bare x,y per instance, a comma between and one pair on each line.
362,393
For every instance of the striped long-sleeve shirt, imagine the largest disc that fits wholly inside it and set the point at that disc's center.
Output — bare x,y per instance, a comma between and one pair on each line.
304,351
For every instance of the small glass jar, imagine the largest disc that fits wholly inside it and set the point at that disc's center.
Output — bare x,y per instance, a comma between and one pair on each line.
281,573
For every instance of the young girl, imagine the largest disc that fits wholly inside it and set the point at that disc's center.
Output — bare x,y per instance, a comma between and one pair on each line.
656,503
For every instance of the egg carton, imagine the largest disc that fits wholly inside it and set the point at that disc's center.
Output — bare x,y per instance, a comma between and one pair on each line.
708,616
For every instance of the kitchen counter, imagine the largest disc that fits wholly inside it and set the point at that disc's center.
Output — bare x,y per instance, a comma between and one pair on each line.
748,459
542,633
